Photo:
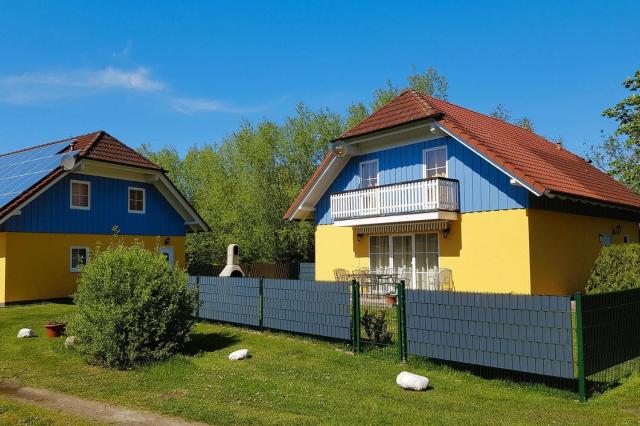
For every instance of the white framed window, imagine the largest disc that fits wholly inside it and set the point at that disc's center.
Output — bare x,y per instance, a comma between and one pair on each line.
137,202
78,256
435,162
80,194
369,174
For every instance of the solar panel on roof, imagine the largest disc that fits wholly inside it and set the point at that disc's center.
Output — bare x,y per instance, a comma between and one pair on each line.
21,170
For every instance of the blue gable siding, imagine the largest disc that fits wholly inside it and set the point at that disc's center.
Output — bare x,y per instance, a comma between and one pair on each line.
50,212
482,186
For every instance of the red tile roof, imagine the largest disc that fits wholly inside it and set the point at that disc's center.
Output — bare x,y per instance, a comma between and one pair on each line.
542,165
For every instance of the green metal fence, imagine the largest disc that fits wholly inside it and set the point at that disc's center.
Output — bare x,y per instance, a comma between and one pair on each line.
607,339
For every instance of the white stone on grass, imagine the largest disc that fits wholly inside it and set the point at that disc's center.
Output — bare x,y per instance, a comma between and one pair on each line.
26,332
70,342
239,354
412,381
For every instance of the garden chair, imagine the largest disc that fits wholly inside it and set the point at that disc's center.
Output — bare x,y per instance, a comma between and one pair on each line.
341,274
445,280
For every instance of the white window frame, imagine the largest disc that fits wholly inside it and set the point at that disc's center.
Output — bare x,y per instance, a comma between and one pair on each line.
84,182
76,269
144,200
362,163
424,160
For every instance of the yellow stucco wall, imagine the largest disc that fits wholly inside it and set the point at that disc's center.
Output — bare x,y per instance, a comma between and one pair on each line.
37,265
488,252
338,247
523,251
564,247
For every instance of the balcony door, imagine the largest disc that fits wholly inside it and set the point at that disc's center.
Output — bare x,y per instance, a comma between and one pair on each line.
413,257
369,180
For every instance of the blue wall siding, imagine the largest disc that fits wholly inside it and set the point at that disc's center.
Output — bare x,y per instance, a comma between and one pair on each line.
50,212
482,186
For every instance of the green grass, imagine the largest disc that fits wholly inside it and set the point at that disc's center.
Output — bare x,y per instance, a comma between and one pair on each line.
291,379
14,413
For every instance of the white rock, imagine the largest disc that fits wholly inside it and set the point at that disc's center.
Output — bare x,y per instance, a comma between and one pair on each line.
26,332
239,354
412,381
70,342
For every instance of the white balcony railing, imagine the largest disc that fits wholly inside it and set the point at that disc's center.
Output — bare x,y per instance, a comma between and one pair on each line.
427,195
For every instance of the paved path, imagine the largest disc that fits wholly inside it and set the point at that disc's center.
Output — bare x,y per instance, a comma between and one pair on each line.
79,407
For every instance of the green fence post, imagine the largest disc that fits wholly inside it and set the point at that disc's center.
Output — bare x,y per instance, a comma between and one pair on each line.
355,300
399,320
582,388
260,301
403,308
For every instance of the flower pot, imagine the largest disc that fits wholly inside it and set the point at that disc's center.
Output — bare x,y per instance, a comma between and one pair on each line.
390,299
55,329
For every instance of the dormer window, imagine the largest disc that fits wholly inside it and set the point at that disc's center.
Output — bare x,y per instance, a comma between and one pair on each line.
136,200
435,162
80,195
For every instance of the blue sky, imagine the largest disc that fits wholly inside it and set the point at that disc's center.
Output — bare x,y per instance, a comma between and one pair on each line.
187,73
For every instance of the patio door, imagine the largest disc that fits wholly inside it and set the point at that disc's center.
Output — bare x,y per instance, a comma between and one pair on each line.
413,257
402,258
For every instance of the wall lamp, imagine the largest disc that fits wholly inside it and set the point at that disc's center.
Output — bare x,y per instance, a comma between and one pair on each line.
616,230
445,232
359,237
167,241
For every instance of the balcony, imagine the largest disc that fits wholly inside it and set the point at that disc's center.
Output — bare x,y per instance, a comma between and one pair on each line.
425,199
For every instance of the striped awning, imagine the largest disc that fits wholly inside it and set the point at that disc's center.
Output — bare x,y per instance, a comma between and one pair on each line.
396,228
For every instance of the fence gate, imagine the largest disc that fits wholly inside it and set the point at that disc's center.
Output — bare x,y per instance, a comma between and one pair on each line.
378,313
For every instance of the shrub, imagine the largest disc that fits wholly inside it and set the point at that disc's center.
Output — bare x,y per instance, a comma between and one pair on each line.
616,268
375,326
131,307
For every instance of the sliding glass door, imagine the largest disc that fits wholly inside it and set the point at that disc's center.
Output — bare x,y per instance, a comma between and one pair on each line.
413,257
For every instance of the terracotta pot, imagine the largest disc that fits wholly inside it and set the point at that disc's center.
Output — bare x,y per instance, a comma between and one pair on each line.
55,329
390,299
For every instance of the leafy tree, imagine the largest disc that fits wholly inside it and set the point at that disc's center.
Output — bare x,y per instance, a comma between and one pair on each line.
619,154
501,113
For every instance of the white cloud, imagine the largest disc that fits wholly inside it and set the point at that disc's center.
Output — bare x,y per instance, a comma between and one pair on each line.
195,105
28,88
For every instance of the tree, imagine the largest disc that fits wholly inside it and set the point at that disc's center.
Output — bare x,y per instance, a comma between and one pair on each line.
619,154
501,113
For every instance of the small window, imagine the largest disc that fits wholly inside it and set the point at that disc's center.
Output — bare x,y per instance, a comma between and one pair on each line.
136,200
78,257
369,174
435,162
625,239
80,195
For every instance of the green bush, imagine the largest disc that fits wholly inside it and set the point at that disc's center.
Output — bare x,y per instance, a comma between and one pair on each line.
617,268
131,307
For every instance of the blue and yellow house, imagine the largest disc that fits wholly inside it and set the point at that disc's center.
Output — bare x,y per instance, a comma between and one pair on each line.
59,200
423,186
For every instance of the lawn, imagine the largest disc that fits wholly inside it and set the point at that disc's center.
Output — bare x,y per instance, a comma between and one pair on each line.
289,380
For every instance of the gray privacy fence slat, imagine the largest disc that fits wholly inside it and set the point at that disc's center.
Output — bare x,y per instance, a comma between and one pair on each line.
232,300
307,271
531,334
309,307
